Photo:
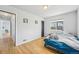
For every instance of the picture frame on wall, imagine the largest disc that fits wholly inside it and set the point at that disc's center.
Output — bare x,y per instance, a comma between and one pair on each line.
36,22
25,20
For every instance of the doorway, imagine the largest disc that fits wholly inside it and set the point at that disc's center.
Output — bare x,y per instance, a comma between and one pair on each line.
42,28
7,32
4,28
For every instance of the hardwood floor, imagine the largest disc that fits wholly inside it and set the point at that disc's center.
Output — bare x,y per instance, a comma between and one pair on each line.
33,47
6,46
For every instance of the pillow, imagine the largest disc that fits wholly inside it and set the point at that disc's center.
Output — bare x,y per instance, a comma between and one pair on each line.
51,36
54,36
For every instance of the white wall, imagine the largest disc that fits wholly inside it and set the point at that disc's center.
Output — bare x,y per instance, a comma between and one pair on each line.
25,31
78,21
70,22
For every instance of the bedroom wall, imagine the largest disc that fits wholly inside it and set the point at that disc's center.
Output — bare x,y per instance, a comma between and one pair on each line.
25,32
70,22
78,22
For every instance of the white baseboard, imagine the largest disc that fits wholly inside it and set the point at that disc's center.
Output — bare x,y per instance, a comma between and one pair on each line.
26,41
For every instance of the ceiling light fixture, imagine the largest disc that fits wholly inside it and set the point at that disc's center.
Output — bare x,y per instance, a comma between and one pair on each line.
45,7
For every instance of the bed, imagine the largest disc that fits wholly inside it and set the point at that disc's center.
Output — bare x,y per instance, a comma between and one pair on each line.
66,43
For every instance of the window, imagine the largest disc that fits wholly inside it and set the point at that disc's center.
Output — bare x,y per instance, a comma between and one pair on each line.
56,25
53,25
59,25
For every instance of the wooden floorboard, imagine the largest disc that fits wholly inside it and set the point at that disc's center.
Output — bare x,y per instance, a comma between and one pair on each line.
33,47
7,46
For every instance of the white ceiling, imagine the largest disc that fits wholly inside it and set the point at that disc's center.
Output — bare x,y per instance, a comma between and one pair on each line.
51,11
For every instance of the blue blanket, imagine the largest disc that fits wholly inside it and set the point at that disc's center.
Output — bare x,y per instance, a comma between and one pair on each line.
60,46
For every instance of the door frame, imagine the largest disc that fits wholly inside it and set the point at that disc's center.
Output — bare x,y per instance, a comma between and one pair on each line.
42,28
11,23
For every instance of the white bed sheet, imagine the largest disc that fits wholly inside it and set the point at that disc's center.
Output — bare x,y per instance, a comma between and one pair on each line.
72,42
